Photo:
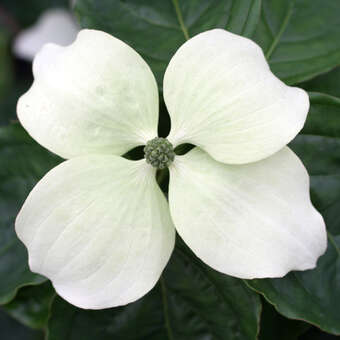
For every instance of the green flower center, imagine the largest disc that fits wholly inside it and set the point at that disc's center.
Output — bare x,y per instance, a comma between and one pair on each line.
159,152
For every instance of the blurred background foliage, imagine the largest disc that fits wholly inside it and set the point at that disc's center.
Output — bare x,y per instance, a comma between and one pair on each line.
301,42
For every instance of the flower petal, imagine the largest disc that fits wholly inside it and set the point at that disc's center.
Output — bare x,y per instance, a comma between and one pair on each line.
94,96
55,25
248,221
222,97
99,227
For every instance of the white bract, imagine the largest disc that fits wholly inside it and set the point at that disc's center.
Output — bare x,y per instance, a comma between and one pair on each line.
55,25
99,226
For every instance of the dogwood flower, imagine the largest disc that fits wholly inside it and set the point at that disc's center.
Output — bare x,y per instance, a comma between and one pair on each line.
99,226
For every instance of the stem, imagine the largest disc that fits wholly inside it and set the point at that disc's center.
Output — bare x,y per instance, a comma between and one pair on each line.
165,309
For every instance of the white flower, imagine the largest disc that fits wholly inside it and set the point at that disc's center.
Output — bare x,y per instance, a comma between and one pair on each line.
99,226
55,25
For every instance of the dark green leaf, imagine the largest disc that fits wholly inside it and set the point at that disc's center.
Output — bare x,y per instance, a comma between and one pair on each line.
314,295
12,84
156,29
300,37
275,327
23,163
9,101
191,301
316,334
324,116
325,83
32,305
11,329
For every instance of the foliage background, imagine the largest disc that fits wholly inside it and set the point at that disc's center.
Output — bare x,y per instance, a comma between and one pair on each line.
301,40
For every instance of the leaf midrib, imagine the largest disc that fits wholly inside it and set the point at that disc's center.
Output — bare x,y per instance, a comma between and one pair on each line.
283,27
180,19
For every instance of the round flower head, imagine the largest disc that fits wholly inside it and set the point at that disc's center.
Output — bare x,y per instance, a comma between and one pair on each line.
99,226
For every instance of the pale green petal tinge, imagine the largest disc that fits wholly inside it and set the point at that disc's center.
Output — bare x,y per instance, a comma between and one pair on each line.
222,97
94,96
99,227
249,221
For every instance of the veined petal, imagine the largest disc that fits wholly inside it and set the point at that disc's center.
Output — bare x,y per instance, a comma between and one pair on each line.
222,97
99,227
94,96
249,221
55,25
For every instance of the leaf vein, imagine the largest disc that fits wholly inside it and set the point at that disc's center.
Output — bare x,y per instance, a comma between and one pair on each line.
281,31
180,19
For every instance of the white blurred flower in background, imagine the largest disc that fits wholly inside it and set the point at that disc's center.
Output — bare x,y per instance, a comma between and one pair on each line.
55,25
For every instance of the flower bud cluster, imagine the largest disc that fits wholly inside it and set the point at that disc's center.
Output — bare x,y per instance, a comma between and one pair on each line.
159,152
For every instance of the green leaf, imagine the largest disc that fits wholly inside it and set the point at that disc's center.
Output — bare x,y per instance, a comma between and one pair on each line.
325,83
23,163
156,29
12,84
316,334
275,327
9,101
314,295
13,330
324,116
191,301
300,37
31,306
